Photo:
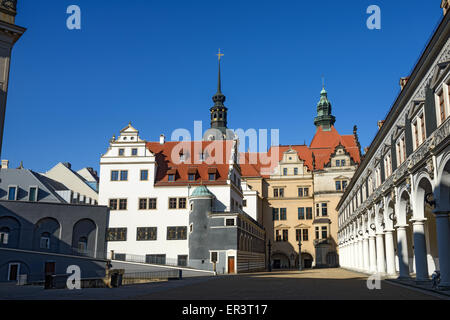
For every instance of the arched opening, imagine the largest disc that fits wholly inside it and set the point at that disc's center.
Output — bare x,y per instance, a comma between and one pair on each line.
47,235
280,261
424,224
84,237
9,232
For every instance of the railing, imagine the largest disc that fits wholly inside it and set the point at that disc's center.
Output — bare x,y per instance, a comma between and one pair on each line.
150,259
140,277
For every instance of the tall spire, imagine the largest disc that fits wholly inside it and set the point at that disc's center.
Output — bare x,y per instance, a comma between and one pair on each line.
324,117
219,111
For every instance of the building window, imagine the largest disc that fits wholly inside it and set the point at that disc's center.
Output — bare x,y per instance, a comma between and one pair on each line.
442,112
338,186
295,171
172,203
309,213
229,222
124,175
114,175
301,213
122,204
278,192
12,193
144,175
171,177
143,204
4,235
415,135
214,257
176,233
112,204
134,152
82,245
285,172
317,233
305,235
321,209
146,234
116,234
422,127
45,241
182,203
283,214
152,203
155,259
387,165
121,152
32,195
191,177
338,163
298,233
342,163
324,232
303,192
211,176
275,214
182,260
244,203
285,235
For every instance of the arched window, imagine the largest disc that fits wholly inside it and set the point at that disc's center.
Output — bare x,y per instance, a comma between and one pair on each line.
4,235
45,241
82,245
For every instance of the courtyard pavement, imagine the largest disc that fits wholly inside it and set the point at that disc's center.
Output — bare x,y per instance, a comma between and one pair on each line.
321,284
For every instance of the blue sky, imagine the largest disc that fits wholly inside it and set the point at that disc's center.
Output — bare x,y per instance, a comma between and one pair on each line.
153,63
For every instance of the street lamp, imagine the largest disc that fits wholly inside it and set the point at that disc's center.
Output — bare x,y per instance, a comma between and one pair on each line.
269,245
300,253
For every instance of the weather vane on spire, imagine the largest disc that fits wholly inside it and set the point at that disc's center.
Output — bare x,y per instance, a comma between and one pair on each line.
220,55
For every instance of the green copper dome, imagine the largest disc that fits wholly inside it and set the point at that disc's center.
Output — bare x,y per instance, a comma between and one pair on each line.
202,191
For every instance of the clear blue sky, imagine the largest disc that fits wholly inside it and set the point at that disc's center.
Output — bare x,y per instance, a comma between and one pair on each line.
154,63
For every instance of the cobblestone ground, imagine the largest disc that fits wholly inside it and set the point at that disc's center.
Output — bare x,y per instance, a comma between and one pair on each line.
290,285
320,284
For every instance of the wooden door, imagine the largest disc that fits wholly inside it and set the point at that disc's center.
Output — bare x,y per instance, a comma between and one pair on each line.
13,272
49,268
231,265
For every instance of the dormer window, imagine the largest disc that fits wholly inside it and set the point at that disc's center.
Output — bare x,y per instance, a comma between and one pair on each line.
171,177
134,152
211,176
32,195
12,193
295,171
121,152
191,177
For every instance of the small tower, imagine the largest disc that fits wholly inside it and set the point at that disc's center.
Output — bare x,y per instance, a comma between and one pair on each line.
324,117
219,111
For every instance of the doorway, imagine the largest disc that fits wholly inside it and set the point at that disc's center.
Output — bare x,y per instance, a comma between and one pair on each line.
13,272
231,265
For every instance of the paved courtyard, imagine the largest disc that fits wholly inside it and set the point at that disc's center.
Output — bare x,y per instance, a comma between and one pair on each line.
278,285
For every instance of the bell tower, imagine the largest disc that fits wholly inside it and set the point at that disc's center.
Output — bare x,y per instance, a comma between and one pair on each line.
219,111
324,117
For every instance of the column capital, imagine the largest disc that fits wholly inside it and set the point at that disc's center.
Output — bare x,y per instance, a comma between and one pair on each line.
389,230
418,221
402,226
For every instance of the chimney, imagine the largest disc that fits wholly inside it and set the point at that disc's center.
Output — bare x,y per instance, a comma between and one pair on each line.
162,139
380,124
403,82
5,164
445,5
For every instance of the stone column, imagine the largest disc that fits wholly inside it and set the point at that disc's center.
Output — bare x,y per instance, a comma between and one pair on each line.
443,239
372,255
402,248
390,252
355,254
420,250
381,262
360,254
366,254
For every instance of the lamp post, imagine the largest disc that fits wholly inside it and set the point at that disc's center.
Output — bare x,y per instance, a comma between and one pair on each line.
300,252
269,267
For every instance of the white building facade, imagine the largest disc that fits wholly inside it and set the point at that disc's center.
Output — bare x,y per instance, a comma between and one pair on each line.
394,215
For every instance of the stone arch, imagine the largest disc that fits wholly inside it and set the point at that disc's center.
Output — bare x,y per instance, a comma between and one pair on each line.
281,260
307,260
49,226
13,226
84,230
442,189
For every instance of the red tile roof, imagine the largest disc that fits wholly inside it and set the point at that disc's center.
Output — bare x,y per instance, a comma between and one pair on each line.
168,160
320,150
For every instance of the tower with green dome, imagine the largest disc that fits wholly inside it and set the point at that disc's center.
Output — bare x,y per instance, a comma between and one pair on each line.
324,117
